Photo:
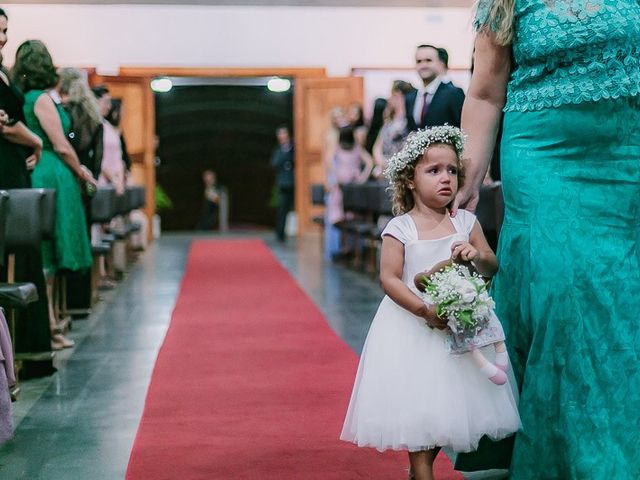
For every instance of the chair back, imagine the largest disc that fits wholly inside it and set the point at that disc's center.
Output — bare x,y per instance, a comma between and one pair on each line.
103,205
24,224
48,212
4,206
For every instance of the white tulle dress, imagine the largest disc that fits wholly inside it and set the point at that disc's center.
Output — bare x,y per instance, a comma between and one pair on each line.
409,392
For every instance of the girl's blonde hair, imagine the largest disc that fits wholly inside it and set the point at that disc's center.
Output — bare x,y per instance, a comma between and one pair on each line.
401,167
500,20
74,84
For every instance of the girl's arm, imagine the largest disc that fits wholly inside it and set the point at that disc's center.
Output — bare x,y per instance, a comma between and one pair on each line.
47,115
478,251
481,114
391,264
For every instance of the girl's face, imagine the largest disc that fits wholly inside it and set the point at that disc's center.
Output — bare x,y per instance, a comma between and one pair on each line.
435,180
3,31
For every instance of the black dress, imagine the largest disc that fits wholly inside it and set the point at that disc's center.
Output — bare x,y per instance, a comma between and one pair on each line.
32,325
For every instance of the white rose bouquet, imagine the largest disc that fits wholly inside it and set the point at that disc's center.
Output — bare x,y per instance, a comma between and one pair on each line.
461,298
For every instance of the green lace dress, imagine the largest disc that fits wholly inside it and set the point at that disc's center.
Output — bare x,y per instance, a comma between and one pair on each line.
70,248
568,288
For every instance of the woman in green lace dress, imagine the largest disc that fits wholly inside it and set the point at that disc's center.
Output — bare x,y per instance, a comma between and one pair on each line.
58,168
567,75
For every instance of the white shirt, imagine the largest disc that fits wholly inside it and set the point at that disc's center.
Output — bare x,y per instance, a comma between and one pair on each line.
431,90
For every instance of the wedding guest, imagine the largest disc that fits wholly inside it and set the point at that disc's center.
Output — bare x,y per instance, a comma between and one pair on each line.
211,201
58,169
437,101
20,151
282,163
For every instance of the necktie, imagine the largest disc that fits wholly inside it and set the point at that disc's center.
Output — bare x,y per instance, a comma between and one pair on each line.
425,108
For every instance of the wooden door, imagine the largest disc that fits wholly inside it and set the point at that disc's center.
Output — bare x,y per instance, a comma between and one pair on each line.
313,100
138,127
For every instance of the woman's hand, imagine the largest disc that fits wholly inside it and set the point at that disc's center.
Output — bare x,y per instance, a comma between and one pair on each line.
86,176
467,198
463,251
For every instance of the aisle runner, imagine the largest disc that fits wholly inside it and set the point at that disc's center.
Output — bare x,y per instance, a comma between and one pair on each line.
250,382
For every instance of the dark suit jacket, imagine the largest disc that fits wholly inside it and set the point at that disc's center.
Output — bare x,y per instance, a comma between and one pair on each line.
445,107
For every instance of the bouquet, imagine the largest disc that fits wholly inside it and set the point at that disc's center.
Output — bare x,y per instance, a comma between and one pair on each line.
461,298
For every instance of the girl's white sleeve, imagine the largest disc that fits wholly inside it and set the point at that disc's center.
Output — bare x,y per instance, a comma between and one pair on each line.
398,228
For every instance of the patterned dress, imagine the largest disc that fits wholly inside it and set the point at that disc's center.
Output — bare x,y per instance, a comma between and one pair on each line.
567,289
70,248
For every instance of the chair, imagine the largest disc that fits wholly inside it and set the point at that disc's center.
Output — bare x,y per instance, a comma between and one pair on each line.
23,208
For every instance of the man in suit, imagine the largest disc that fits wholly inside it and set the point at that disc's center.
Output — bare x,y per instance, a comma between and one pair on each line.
437,101
282,163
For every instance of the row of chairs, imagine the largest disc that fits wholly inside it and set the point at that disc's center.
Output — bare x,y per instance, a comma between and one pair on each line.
368,207
27,218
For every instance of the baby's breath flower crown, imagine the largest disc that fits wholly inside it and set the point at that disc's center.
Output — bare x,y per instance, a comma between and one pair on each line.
417,143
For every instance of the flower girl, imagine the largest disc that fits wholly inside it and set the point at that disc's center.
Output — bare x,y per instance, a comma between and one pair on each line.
410,392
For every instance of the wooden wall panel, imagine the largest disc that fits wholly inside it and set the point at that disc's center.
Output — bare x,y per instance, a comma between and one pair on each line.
313,101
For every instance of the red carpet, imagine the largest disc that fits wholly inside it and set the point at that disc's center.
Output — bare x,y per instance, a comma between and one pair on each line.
251,382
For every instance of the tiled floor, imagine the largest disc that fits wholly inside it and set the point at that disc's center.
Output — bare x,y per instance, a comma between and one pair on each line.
80,423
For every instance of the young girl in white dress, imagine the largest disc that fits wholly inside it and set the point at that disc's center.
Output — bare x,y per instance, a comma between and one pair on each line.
410,392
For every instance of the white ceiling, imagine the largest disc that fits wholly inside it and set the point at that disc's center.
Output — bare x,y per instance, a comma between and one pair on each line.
300,3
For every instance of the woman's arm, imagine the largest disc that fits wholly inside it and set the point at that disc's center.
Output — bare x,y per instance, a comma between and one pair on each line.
20,134
391,264
481,114
366,159
47,115
378,157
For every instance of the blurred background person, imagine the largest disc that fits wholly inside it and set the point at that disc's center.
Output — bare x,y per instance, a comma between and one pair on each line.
394,129
59,169
112,168
86,118
437,101
211,201
20,151
350,163
282,163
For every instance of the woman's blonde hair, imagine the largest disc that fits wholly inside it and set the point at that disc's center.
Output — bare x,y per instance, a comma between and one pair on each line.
73,83
500,20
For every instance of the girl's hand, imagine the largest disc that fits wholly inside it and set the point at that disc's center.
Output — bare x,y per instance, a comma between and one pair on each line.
463,251
417,281
431,318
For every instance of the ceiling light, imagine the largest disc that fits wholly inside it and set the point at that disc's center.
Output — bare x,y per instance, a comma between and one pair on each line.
161,85
277,84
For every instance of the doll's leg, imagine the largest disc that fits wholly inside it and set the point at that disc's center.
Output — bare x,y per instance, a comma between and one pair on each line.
502,357
492,372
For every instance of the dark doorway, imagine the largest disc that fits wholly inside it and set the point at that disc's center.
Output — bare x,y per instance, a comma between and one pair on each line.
225,125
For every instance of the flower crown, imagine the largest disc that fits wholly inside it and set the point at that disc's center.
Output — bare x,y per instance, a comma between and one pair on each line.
417,143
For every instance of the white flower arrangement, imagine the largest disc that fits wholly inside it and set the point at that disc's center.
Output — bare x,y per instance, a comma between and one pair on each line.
417,143
461,299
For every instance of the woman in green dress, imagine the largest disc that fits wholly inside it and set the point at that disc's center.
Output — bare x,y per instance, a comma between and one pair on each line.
567,75
58,168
